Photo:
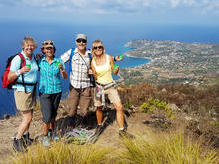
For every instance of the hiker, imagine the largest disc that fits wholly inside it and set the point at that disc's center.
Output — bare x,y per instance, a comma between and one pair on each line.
103,65
25,95
80,84
80,81
50,89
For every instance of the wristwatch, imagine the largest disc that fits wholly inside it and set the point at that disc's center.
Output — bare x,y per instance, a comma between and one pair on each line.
18,73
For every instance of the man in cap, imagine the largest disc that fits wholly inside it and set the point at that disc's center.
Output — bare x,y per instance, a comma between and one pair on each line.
80,85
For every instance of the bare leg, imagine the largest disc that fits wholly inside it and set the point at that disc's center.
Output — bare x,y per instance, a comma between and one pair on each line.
52,124
119,114
99,115
45,128
25,124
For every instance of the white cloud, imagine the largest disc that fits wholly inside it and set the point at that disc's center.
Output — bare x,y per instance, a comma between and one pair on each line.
174,3
115,6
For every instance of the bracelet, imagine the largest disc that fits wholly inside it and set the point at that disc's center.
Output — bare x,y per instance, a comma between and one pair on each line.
62,70
18,73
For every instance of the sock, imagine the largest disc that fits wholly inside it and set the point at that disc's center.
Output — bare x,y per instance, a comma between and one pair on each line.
25,133
122,128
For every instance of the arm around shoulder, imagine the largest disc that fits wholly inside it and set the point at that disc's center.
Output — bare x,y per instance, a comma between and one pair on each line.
66,56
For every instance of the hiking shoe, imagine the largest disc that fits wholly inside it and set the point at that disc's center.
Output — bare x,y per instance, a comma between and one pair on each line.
27,140
125,134
45,141
99,129
71,122
52,136
19,145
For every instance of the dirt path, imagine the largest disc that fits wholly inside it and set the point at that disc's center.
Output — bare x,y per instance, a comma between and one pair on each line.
109,136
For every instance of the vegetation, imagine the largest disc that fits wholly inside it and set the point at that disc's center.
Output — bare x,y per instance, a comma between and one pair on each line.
170,149
156,104
62,153
189,98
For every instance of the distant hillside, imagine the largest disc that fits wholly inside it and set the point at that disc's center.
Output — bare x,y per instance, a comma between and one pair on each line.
189,63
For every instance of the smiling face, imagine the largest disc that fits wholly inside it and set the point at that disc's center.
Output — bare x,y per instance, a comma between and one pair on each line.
49,51
28,48
48,48
81,44
98,48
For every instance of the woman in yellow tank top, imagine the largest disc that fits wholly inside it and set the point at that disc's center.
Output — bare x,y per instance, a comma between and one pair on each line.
103,65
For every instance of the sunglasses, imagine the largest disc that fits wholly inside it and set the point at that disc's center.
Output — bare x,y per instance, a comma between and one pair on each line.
48,48
81,40
48,42
98,47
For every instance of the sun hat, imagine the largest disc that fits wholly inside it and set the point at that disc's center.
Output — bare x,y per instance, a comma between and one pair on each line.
81,36
48,43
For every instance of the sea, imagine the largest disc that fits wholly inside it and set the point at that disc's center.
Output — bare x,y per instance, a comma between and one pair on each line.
114,38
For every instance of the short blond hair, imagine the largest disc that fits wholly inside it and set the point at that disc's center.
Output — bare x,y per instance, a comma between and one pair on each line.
93,45
29,39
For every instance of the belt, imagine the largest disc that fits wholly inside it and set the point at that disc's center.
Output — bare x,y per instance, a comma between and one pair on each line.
100,90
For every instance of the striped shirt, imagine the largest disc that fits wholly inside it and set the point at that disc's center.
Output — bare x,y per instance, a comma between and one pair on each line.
79,76
50,78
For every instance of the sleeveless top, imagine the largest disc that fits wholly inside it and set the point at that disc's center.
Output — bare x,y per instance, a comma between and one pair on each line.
104,72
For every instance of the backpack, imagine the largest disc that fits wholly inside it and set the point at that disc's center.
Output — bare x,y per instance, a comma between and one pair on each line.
80,136
5,82
70,65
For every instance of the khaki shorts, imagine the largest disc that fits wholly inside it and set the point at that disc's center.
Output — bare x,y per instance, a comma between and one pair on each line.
112,94
24,101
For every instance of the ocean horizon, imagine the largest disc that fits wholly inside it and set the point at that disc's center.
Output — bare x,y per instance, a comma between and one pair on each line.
113,36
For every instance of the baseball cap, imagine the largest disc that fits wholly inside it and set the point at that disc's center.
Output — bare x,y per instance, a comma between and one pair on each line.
81,36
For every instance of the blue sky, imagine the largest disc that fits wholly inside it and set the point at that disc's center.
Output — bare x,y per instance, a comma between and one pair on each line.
113,11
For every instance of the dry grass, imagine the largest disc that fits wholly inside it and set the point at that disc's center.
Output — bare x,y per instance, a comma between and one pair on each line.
163,148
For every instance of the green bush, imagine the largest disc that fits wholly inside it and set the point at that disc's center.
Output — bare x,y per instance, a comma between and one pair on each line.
156,104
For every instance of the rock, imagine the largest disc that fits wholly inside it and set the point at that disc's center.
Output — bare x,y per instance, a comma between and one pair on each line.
174,107
164,90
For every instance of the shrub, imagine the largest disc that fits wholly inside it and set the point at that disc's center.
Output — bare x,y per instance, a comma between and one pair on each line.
156,104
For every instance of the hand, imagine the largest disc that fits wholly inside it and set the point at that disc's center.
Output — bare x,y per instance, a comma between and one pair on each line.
90,72
39,56
116,68
60,66
24,69
119,57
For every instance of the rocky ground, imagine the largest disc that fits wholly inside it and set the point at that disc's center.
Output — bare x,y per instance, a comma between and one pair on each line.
138,123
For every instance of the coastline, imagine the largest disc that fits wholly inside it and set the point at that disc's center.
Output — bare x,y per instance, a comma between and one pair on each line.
150,60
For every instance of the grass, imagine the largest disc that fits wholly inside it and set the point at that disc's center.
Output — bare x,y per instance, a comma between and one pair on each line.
62,153
171,149
149,149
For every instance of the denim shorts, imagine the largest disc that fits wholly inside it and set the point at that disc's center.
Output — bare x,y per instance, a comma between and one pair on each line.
49,105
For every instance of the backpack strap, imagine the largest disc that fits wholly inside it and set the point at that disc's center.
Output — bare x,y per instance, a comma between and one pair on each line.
23,63
23,60
90,56
70,59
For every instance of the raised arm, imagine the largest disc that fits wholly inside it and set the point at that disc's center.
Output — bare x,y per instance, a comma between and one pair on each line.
66,56
115,70
63,71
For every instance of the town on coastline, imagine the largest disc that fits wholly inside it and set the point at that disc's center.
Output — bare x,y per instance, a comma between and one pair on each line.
171,61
